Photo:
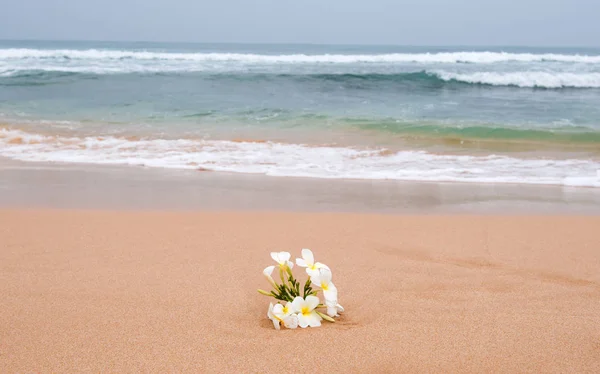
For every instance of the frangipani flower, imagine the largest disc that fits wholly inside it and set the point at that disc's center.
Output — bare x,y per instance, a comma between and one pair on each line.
307,315
267,273
297,305
283,259
279,313
323,280
282,311
308,261
291,321
333,308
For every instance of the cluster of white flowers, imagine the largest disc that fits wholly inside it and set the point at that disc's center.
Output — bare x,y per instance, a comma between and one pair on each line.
301,308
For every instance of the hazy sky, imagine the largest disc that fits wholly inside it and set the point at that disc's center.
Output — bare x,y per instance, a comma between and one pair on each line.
405,22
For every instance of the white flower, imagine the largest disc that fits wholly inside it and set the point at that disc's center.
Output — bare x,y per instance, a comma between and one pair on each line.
283,259
291,321
333,308
307,315
282,311
273,317
323,280
308,261
279,313
267,273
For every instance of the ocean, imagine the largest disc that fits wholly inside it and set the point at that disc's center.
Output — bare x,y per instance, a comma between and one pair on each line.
459,114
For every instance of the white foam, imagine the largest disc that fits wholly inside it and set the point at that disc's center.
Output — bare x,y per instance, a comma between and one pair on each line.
526,79
442,57
277,159
557,73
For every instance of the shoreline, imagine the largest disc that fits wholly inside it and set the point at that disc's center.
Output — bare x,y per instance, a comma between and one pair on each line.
68,186
325,161
448,142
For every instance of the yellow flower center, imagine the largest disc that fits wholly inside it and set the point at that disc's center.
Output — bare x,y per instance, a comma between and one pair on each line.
285,310
305,310
324,286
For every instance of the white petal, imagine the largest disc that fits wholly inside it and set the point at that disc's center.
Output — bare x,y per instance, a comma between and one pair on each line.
268,270
312,273
307,255
300,262
298,303
315,278
332,311
291,322
312,301
290,264
325,275
284,256
270,311
319,265
278,310
302,321
332,288
290,309
314,320
330,296
339,308
275,256
276,324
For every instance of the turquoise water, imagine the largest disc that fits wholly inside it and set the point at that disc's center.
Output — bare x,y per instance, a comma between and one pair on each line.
355,97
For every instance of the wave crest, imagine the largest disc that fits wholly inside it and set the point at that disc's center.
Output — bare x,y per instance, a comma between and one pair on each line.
439,57
526,79
438,78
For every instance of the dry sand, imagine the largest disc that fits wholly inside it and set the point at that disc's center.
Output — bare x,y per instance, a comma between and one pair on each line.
92,291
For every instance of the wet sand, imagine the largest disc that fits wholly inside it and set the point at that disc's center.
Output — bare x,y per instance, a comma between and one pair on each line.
35,185
132,291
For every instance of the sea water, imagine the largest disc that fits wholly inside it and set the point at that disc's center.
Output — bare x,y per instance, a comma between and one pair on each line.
468,114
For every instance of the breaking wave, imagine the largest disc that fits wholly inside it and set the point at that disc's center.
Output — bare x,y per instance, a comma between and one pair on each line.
440,57
296,160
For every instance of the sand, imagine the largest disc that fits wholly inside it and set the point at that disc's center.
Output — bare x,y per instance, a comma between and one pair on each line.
71,186
94,291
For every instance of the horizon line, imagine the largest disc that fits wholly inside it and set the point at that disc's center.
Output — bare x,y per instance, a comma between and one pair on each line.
299,43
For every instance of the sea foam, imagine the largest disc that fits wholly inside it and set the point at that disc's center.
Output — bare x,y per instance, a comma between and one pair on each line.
526,79
489,68
441,57
297,160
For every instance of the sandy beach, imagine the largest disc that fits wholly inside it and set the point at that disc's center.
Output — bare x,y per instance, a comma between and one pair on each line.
131,291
